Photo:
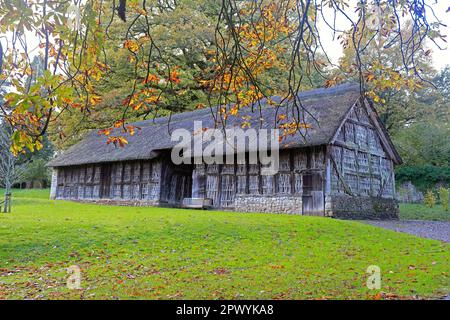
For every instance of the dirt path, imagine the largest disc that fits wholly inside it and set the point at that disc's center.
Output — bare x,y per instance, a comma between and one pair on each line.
438,230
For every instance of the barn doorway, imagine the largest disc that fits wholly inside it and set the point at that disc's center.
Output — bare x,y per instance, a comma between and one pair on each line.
179,184
105,178
312,198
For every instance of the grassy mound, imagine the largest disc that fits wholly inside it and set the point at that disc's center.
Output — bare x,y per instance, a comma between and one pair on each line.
158,253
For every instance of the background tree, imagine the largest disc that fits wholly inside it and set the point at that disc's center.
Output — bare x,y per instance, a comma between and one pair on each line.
424,138
35,173
32,164
10,170
398,95
423,142
134,86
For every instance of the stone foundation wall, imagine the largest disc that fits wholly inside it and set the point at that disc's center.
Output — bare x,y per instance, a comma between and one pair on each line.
328,206
364,208
268,204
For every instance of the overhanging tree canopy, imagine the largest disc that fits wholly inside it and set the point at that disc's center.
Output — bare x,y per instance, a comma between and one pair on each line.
246,50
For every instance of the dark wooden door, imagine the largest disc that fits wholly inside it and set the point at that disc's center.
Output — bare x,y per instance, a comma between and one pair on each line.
105,182
180,188
312,199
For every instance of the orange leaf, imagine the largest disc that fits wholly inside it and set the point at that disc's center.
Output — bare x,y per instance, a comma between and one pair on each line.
174,77
131,45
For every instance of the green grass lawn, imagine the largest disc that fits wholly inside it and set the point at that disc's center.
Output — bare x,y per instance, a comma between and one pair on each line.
157,253
412,211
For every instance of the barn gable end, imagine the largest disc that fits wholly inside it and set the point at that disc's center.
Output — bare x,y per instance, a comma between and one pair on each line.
361,166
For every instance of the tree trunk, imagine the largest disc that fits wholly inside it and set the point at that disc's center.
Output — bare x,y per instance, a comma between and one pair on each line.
8,185
5,203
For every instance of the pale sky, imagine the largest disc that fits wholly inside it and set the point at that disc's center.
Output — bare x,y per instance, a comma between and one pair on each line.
440,57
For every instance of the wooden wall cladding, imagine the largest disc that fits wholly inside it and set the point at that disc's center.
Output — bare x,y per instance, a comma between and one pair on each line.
134,180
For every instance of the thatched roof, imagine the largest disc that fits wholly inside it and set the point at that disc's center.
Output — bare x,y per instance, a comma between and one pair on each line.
328,106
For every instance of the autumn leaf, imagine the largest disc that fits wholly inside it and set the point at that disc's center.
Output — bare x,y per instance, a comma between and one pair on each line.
151,78
174,77
132,129
38,145
234,110
137,106
220,271
370,77
126,101
377,296
119,123
94,100
304,126
152,99
121,141
67,100
131,45
105,132
329,83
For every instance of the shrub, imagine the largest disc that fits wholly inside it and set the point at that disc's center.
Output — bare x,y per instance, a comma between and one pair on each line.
443,197
430,199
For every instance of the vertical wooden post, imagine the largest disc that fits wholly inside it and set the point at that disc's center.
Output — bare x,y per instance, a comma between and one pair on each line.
327,164
141,172
122,165
291,170
393,178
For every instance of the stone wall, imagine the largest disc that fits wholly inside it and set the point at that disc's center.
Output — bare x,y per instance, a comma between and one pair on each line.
408,193
328,206
372,208
268,204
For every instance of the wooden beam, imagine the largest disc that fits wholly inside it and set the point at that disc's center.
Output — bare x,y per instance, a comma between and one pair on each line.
327,160
341,178
344,119
385,140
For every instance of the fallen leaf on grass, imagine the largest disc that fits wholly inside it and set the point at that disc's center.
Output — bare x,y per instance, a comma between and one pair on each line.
277,267
220,271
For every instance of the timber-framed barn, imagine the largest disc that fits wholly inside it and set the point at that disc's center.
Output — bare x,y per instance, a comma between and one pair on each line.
341,167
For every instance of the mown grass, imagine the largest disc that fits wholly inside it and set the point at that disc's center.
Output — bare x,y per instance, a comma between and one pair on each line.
158,253
412,211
